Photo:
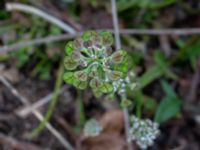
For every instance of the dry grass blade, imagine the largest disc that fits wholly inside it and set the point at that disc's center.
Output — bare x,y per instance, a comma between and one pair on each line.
24,112
17,145
8,48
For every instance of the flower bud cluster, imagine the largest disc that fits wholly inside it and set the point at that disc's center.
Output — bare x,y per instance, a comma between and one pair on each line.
144,132
92,128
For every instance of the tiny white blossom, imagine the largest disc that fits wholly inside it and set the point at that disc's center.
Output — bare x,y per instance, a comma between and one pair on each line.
143,131
92,128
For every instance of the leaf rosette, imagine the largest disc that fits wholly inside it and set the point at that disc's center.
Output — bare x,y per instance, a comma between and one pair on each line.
89,61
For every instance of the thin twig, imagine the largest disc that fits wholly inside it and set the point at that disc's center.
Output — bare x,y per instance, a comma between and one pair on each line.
118,46
24,112
192,94
174,31
67,127
38,12
38,115
8,48
165,45
61,139
17,145
38,41
6,117
115,24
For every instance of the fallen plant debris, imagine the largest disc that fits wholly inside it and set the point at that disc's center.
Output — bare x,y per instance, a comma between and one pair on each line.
12,143
110,137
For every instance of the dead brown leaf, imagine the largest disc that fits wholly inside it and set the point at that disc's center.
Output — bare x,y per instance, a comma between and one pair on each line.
111,137
112,121
105,141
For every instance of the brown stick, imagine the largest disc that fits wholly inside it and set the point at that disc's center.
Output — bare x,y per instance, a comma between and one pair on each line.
65,125
18,145
7,48
192,96
37,114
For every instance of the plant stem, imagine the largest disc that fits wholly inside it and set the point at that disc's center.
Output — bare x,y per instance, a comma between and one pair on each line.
62,37
52,104
116,24
127,127
81,111
118,46
139,108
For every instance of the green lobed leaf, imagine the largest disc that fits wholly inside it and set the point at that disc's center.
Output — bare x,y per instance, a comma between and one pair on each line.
81,75
80,84
76,56
122,67
151,74
125,103
97,40
78,44
70,64
169,106
167,88
111,97
147,102
97,93
106,87
107,38
160,59
95,83
93,74
69,48
118,56
87,43
88,35
114,75
69,78
93,71
190,51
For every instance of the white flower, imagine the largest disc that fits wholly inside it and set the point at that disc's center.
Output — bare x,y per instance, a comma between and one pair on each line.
92,128
143,131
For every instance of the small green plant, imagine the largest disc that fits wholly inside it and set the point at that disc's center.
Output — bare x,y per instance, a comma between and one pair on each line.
91,62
